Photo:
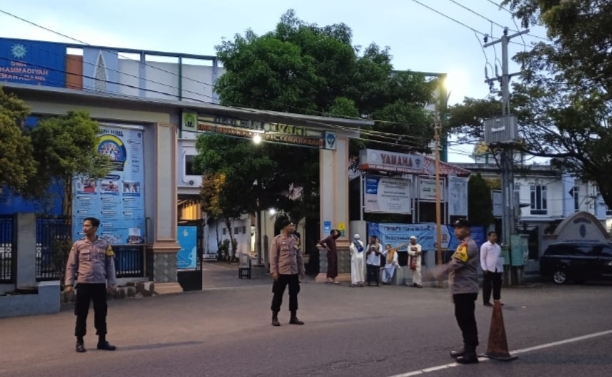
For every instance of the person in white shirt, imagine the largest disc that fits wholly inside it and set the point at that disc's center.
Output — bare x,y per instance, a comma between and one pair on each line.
414,262
373,253
492,263
357,268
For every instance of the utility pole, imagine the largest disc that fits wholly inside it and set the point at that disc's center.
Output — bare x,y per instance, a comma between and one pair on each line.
502,132
438,193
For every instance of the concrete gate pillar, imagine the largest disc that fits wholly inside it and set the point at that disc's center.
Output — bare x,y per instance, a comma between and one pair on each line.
161,207
334,205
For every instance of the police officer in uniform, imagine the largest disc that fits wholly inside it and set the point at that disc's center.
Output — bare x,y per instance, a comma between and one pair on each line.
92,261
287,269
463,282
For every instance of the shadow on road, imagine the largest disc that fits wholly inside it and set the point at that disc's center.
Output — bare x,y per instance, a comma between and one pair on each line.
157,346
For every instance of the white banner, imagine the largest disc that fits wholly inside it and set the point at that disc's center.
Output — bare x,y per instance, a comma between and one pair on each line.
458,196
387,195
497,199
427,189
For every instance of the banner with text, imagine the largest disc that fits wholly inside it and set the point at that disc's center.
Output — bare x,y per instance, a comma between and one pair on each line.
35,63
458,196
387,195
427,189
118,199
396,234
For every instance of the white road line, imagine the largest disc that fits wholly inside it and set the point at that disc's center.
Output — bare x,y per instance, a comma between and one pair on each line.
524,350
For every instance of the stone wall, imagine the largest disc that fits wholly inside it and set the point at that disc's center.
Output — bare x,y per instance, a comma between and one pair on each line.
130,290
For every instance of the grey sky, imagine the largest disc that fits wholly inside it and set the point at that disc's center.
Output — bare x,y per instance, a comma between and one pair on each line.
419,39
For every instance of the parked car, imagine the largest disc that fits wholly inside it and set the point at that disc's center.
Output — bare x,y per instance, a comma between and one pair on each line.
577,262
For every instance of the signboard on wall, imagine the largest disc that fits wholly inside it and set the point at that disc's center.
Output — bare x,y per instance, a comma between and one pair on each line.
427,189
371,159
387,195
30,62
246,128
458,196
188,240
396,234
118,199
498,203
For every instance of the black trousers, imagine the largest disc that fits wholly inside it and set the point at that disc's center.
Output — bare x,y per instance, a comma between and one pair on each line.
278,288
86,293
491,279
373,273
465,307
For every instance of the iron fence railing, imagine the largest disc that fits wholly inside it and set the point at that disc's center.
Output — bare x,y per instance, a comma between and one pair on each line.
53,233
129,260
8,248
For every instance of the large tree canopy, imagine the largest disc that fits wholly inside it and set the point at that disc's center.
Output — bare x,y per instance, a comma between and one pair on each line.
305,68
17,164
563,99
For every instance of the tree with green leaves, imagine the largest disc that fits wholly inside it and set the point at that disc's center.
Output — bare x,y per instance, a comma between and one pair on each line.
17,163
480,203
235,177
564,98
65,147
305,68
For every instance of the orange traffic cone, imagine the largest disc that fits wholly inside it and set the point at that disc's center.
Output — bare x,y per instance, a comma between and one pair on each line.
498,344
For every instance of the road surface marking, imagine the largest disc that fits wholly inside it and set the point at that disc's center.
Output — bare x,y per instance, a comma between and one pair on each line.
524,350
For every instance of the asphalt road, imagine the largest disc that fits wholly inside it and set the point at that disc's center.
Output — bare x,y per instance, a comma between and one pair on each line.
384,332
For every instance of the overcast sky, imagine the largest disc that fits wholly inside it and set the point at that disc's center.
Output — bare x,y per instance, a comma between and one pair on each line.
419,38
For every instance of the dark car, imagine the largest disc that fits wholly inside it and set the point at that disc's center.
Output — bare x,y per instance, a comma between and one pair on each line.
577,261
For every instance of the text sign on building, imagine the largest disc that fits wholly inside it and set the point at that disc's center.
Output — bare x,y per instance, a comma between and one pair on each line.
35,63
117,199
458,196
427,189
502,129
387,195
371,159
244,128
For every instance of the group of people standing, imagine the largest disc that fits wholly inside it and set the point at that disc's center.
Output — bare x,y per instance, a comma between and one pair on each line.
372,256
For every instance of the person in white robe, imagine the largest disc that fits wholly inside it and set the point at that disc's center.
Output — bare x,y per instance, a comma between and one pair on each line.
414,262
391,264
357,262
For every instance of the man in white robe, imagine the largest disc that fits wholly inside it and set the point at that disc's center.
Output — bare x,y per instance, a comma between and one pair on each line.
357,262
414,262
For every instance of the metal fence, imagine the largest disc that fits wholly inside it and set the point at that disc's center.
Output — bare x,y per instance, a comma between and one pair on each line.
129,260
8,249
50,257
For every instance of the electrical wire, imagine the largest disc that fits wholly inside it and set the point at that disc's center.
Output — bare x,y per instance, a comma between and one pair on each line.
515,24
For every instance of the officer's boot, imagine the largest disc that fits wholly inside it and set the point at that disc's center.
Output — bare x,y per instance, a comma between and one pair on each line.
294,319
456,354
275,319
104,345
80,345
469,356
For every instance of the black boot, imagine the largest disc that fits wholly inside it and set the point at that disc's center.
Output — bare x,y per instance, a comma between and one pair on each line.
80,345
456,354
294,319
104,345
275,319
469,356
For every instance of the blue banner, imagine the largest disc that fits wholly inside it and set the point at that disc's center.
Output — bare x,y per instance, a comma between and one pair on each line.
118,199
188,240
35,63
397,234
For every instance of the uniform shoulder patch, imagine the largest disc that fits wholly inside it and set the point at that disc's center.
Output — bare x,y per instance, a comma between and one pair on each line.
461,253
109,251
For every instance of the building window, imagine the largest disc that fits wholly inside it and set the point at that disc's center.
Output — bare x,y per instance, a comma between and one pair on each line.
190,168
575,194
538,200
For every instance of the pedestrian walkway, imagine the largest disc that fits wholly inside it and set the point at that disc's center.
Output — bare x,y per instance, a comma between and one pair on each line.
217,275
